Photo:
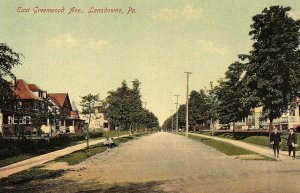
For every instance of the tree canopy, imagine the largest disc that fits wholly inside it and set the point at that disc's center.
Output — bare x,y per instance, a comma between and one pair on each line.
230,94
124,108
8,60
273,70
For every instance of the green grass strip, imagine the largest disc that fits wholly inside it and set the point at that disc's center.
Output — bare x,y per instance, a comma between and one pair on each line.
223,147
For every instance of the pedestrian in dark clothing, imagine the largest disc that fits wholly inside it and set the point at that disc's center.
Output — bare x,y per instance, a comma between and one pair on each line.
292,142
275,140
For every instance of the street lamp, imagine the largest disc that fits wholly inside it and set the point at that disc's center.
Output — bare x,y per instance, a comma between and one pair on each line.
177,112
187,104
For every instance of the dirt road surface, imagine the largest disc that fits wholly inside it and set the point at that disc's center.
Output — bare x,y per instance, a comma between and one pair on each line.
164,162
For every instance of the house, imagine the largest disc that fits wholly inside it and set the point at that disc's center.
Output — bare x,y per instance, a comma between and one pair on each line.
290,119
68,120
30,99
99,120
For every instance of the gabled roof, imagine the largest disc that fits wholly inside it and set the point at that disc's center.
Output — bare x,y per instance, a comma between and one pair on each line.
74,106
59,98
22,91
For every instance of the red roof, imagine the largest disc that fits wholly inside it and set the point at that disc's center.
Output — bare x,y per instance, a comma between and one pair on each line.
23,91
34,87
58,98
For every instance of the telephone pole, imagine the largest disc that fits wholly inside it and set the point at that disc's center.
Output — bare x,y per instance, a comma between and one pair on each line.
187,104
177,112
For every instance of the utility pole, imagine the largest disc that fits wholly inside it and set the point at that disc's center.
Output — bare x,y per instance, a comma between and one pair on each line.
172,119
187,104
177,112
145,105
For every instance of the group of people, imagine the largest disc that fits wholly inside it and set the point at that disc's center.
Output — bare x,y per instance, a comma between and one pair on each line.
275,140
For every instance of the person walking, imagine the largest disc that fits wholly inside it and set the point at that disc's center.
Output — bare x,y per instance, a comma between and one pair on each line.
275,140
292,142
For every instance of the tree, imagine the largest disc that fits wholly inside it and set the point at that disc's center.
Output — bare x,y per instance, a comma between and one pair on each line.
136,109
88,103
273,72
231,95
167,123
8,60
213,105
7,97
124,106
149,120
198,108
181,115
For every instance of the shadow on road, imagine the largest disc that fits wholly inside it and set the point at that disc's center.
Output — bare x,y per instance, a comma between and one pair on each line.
72,186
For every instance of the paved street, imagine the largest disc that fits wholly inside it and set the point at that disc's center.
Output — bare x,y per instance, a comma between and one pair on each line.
164,162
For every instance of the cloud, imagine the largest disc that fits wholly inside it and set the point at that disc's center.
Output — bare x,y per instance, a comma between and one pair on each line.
211,47
97,44
65,40
294,14
166,14
188,12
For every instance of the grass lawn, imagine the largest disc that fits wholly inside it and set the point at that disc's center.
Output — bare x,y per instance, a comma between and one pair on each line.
254,138
35,173
14,159
223,147
231,150
20,154
38,173
79,156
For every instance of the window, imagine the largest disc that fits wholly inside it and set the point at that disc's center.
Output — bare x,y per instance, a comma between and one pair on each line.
10,120
105,125
35,105
27,120
16,120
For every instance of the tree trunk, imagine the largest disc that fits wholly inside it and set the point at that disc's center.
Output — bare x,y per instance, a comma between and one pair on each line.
271,126
130,127
87,131
233,127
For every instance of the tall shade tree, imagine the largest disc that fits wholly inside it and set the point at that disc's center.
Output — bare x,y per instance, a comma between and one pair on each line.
213,105
8,60
136,107
167,123
273,72
198,108
124,106
88,103
149,120
231,93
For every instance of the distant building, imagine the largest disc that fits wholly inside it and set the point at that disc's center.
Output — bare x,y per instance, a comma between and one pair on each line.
69,120
99,120
290,119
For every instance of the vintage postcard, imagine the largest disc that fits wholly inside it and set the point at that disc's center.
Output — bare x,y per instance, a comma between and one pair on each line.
150,96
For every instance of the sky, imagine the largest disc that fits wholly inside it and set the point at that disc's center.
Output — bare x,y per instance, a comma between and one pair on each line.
82,53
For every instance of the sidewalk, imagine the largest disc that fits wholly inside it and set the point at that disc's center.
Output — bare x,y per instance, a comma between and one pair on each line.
255,148
38,160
